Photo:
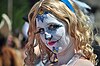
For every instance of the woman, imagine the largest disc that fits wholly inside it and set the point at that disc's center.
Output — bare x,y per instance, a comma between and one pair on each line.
61,33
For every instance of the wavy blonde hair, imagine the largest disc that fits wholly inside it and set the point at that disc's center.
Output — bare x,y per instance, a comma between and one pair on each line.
78,27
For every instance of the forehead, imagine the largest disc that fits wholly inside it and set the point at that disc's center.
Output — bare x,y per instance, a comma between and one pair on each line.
45,19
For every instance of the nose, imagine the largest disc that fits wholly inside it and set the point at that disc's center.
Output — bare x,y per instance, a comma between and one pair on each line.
48,36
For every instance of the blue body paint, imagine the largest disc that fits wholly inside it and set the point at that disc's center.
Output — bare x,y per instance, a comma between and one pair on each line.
42,16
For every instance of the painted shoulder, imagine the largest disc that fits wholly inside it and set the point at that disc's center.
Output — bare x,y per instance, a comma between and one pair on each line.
83,62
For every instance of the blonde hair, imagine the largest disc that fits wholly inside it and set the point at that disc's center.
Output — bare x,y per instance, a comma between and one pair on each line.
78,28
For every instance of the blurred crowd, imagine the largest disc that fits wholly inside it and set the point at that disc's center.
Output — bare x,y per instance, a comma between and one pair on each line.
12,44
11,53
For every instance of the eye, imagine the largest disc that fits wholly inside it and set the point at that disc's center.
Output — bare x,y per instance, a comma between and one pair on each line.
54,27
41,31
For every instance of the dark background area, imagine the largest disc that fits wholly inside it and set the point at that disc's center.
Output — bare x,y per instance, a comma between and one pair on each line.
19,9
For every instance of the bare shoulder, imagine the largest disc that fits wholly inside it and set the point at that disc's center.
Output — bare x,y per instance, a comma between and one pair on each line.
83,62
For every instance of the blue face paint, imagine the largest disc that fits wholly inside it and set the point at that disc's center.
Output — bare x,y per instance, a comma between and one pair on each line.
51,26
68,5
42,16
55,49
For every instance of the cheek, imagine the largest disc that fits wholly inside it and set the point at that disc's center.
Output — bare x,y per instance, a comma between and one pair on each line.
60,32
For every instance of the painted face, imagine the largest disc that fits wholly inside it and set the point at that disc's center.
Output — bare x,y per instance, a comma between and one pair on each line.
52,32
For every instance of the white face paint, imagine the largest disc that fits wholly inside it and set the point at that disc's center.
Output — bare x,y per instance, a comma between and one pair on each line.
52,32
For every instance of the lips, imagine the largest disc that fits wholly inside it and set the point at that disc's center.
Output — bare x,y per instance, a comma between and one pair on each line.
52,42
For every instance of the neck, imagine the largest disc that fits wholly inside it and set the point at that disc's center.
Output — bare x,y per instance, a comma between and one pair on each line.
66,55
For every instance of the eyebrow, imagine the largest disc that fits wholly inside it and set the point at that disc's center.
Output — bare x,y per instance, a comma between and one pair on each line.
53,23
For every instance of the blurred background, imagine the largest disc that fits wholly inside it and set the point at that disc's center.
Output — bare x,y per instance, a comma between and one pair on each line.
13,36
95,5
12,25
15,10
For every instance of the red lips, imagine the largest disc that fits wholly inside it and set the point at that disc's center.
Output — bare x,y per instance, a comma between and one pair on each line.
52,42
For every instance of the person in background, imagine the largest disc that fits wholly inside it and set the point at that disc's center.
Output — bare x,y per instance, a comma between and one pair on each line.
8,55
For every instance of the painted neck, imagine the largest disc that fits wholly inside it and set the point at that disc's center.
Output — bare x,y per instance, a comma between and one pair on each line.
66,55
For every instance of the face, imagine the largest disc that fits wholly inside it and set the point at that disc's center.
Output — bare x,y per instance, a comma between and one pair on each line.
52,32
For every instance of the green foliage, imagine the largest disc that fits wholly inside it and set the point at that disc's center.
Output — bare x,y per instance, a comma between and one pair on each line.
20,9
3,7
